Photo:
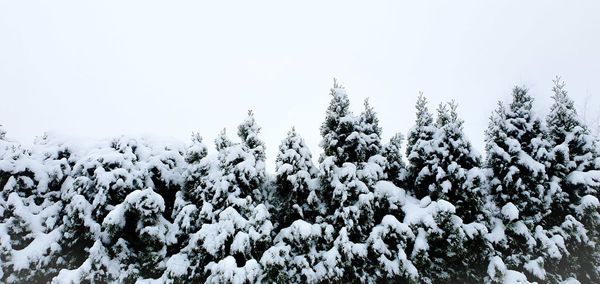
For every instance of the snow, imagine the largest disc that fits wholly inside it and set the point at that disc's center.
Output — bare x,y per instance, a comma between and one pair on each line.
536,267
514,277
510,211
589,177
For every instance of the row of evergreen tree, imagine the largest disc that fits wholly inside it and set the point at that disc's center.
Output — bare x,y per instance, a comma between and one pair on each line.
148,210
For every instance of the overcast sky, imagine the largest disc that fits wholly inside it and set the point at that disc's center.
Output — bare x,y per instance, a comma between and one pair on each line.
167,68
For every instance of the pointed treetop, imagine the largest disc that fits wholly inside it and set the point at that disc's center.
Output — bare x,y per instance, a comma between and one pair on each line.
248,132
521,100
336,84
424,117
222,141
443,117
447,114
369,116
196,137
563,105
2,133
197,150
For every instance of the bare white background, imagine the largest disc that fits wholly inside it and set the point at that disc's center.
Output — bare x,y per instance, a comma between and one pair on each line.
105,68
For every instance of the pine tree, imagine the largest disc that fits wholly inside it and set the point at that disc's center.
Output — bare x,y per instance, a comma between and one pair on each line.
237,228
2,133
459,178
346,175
517,155
395,169
369,133
30,208
573,156
390,241
299,254
295,181
137,235
445,249
337,128
371,163
419,151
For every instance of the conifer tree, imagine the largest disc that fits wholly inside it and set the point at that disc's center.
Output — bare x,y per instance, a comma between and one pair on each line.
137,229
419,151
237,227
371,163
2,133
573,156
459,178
517,155
369,133
395,169
345,176
30,208
338,126
295,181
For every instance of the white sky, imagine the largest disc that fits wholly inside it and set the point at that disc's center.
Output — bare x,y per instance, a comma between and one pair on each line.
104,68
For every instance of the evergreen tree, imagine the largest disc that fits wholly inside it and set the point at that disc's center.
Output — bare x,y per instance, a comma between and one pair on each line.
136,235
395,169
337,129
419,151
2,133
347,175
445,249
573,156
299,255
30,208
458,177
295,181
369,133
237,228
371,163
517,155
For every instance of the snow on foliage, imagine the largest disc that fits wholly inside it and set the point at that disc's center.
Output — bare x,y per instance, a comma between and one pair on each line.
150,210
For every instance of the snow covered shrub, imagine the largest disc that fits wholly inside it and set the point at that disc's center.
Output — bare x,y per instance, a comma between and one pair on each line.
30,208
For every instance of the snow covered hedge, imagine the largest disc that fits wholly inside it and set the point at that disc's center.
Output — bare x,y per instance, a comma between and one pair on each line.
149,210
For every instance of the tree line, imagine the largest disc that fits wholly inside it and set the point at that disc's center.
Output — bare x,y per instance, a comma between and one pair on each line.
431,210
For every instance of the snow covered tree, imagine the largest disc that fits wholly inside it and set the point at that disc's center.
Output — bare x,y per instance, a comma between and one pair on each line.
573,153
346,177
518,158
369,133
367,136
574,179
237,228
339,124
419,151
2,133
300,254
389,241
186,213
445,249
517,154
197,151
103,178
136,235
395,169
30,208
458,177
295,182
